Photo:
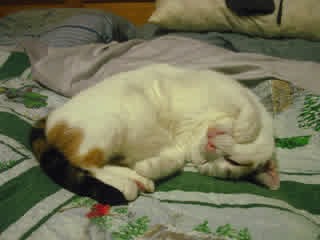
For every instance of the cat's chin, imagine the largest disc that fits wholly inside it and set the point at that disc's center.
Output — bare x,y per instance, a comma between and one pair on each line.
267,176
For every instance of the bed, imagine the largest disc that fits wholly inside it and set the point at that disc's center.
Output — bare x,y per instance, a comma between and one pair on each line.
37,44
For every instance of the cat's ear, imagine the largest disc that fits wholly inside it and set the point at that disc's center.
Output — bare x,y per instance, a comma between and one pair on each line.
268,176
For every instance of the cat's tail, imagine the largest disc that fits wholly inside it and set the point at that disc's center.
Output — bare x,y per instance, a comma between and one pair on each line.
62,172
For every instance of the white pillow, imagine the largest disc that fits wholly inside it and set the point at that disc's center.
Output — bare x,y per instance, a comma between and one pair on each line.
300,18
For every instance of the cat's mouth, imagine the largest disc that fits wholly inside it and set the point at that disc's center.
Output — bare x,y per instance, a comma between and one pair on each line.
229,160
232,162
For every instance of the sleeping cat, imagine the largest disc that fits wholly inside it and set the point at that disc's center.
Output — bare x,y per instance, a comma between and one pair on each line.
116,138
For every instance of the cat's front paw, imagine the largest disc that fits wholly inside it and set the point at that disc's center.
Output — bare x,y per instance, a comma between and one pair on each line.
224,144
220,142
132,187
145,185
130,190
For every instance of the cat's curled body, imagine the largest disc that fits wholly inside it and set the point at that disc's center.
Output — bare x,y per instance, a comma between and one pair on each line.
140,126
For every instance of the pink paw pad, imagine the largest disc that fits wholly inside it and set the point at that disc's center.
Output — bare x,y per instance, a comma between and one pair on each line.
140,186
212,133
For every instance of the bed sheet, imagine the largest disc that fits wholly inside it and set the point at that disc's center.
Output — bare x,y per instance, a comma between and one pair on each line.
288,48
186,206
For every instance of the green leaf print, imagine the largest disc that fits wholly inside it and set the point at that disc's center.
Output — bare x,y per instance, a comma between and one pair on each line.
310,115
292,142
132,229
228,231
122,210
204,228
7,164
244,234
104,222
82,202
224,231
79,202
17,155
26,95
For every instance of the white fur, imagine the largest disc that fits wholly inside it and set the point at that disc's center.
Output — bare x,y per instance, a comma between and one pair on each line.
158,117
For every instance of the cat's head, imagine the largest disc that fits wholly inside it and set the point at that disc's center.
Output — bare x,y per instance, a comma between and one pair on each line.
259,167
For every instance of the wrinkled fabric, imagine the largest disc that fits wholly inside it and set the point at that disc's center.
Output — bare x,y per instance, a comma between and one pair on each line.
70,70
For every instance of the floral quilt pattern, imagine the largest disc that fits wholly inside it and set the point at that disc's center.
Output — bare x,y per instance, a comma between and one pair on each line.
186,206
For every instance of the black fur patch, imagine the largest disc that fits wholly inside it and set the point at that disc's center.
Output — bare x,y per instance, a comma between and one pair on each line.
36,133
72,178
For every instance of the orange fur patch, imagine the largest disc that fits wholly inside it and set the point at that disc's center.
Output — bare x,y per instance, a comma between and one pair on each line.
68,141
95,157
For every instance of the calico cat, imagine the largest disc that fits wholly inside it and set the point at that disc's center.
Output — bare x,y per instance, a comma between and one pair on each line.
116,138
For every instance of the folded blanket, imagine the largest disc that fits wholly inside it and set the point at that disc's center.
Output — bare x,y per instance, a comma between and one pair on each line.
70,70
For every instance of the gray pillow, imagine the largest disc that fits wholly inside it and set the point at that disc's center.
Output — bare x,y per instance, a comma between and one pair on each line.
65,27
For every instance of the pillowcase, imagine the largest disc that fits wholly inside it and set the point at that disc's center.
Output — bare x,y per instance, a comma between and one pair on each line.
298,18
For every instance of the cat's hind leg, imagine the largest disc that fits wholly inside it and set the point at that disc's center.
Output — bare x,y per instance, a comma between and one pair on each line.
144,184
124,179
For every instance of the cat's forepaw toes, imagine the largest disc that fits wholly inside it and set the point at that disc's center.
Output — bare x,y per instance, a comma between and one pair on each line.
134,186
145,186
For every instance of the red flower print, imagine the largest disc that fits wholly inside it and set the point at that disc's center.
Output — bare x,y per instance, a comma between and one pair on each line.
98,210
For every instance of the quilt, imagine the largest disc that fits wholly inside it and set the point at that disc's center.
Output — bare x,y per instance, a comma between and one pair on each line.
186,206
